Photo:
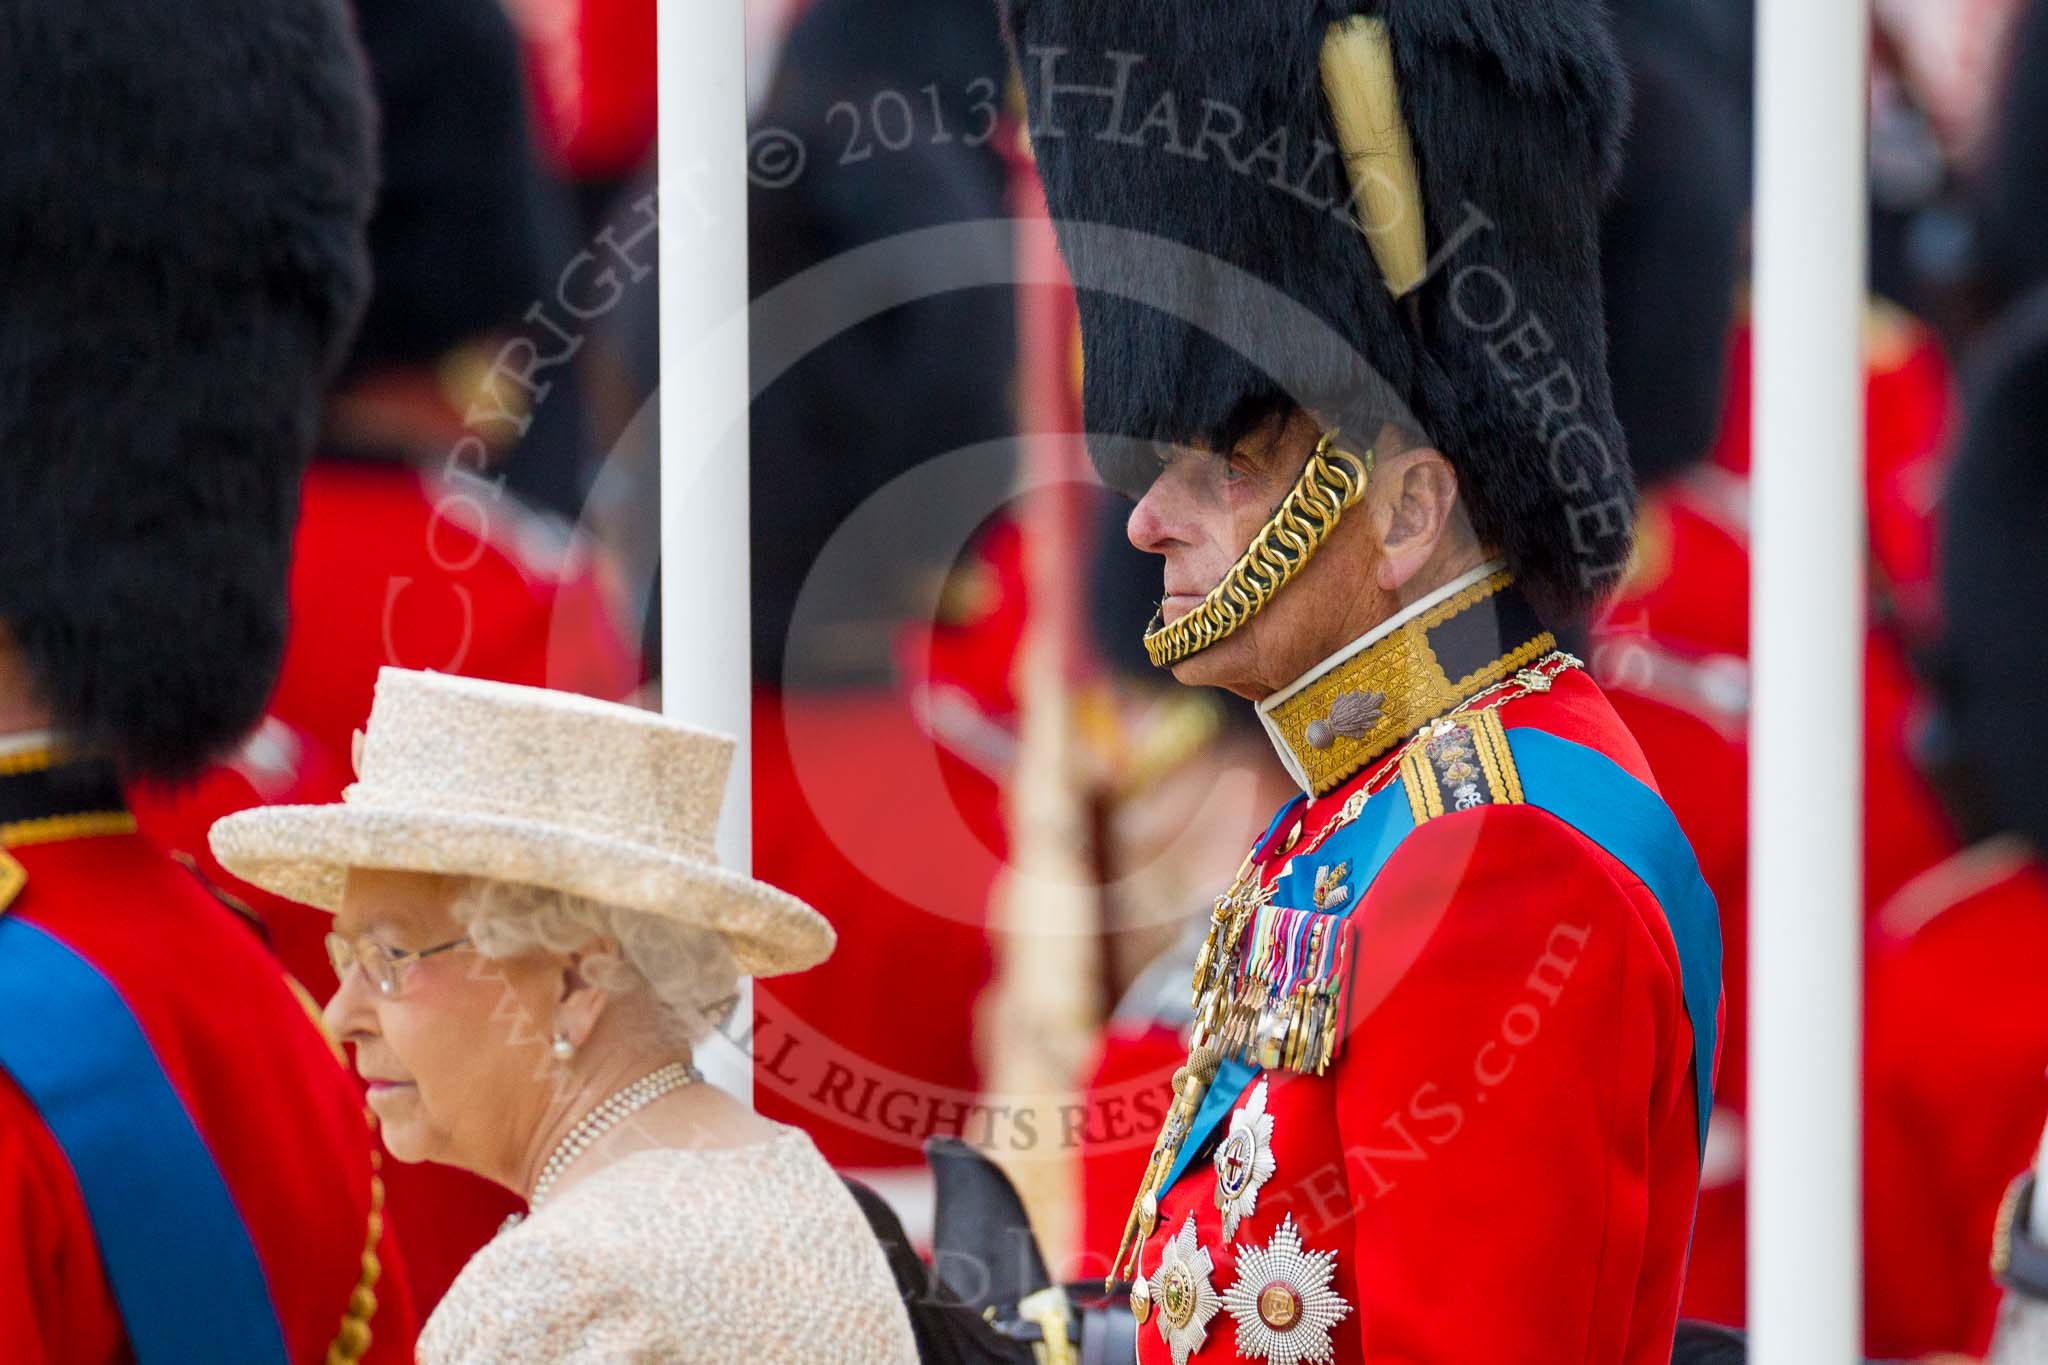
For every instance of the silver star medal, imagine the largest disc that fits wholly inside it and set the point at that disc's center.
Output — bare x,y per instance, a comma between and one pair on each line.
1244,1160
1283,1300
1182,1295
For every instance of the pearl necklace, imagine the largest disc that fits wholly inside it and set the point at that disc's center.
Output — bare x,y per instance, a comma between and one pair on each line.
606,1117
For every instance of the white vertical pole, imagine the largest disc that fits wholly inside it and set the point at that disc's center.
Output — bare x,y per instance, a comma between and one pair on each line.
706,667
1807,613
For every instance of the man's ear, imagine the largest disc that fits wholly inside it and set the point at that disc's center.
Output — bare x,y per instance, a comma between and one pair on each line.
1419,492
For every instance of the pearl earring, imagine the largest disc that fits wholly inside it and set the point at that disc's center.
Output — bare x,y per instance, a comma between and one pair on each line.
564,1049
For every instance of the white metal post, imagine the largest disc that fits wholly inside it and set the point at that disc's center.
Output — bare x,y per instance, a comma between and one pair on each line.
706,669
1807,614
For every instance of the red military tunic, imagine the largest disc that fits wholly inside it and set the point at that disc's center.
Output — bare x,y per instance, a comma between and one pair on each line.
277,764
908,879
168,1050
1671,653
1956,1052
590,65
395,566
1501,1159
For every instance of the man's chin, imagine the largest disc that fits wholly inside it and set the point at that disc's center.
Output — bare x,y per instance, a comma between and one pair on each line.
1216,666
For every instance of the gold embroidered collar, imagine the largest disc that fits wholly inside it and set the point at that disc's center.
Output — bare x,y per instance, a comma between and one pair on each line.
48,794
1359,703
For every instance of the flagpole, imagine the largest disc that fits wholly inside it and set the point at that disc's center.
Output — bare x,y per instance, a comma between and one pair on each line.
706,659
1807,622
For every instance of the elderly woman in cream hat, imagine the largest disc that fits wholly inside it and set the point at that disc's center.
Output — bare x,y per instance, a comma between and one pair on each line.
532,935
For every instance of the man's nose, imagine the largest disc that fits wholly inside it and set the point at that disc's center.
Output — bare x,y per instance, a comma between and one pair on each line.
1162,517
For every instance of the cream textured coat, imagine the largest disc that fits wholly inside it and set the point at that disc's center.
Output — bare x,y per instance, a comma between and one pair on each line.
751,1255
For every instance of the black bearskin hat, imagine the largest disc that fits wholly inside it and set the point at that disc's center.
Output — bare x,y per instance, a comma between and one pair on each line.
2013,190
464,211
1717,36
923,386
183,189
1208,127
1994,584
1700,1343
1671,258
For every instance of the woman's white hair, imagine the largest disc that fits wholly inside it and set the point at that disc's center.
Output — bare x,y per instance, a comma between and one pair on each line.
688,971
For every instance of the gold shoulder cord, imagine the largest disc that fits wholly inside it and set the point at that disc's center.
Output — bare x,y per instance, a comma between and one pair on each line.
2001,1230
1331,481
352,1342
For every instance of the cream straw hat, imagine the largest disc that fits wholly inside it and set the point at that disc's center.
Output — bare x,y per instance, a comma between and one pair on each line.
520,784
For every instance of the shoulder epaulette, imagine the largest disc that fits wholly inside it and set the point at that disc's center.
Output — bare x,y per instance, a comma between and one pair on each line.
1713,688
1956,880
1463,764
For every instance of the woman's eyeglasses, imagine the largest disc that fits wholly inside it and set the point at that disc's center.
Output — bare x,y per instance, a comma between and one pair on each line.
380,965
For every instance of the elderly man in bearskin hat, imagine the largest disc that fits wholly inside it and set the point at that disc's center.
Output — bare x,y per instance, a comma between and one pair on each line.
1455,1024
186,1173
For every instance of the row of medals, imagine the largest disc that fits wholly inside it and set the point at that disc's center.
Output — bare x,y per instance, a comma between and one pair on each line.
1282,1299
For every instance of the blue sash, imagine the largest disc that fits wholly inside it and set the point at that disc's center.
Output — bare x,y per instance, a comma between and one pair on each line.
184,1272
1601,800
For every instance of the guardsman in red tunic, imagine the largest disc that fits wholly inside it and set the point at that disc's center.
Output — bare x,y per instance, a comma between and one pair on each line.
186,1170
1455,1021
1671,647
1957,1042
885,625
410,551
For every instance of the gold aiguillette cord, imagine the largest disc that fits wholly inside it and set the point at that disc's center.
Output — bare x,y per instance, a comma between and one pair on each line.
1205,1057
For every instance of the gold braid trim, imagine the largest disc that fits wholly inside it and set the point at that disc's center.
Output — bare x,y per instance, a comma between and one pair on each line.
1409,682
1331,481
56,828
39,759
352,1342
2001,1229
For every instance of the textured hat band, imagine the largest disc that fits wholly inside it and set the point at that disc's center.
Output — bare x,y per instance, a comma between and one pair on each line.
667,840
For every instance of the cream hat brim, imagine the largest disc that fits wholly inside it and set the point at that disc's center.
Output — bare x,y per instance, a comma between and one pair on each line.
304,853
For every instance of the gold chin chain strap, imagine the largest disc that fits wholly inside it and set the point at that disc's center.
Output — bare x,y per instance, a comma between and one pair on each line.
1210,1043
1331,481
